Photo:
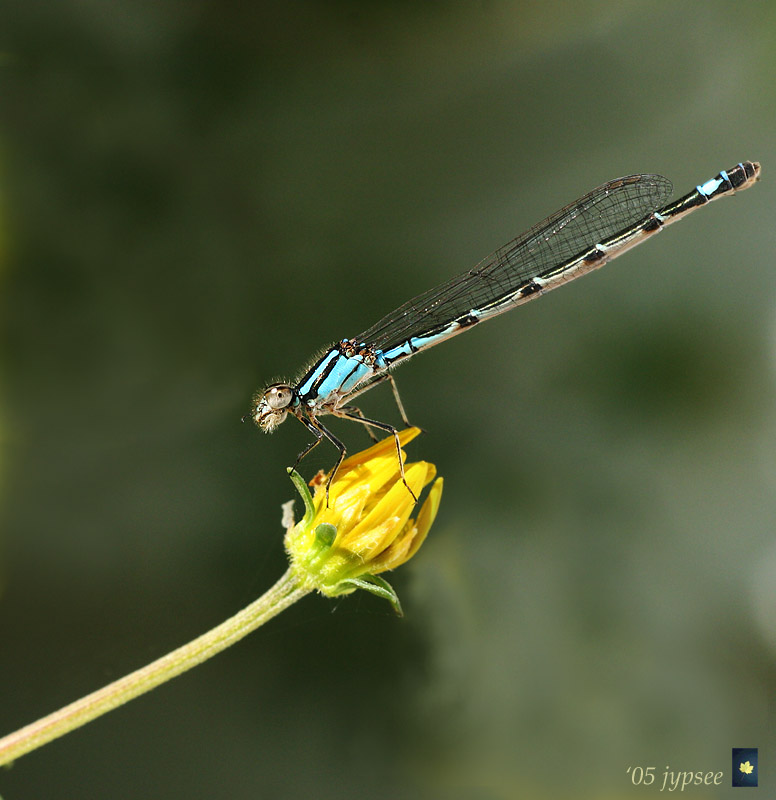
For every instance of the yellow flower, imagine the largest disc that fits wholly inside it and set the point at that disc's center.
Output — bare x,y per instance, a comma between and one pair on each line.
366,528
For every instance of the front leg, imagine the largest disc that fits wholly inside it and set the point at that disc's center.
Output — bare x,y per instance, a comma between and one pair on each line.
320,431
316,431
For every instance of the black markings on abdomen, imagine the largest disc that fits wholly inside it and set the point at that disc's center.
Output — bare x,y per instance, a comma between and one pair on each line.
527,289
468,320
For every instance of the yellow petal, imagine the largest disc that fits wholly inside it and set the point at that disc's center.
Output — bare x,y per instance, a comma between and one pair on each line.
396,554
375,539
396,504
427,516
383,447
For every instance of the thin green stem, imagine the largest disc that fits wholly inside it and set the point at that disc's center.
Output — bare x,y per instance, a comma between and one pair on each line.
283,594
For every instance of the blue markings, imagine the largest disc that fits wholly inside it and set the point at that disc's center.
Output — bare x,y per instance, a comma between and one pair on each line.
710,187
419,342
396,352
343,376
308,384
360,371
414,344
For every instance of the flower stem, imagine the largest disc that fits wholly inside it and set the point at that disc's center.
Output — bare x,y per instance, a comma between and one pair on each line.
283,594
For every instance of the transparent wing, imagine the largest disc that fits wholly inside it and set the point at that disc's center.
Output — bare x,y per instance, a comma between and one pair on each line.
567,233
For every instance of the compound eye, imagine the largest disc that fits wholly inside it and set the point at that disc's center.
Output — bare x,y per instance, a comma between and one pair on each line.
278,397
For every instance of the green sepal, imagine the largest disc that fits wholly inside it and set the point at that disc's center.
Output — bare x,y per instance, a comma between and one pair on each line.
377,586
301,487
325,534
320,549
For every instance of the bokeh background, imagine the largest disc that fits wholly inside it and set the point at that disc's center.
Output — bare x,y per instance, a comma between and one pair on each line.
197,197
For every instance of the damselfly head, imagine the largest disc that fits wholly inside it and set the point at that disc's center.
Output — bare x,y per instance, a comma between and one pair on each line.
271,406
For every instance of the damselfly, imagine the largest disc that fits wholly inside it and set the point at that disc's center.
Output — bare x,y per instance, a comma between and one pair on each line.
579,238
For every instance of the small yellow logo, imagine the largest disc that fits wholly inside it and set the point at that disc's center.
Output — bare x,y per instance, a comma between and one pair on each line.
745,767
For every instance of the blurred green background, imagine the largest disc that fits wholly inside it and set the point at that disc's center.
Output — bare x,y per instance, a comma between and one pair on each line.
199,196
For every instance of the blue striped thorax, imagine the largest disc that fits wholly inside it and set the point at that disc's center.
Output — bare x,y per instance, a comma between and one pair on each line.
337,373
